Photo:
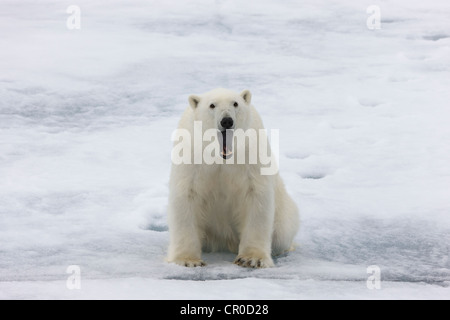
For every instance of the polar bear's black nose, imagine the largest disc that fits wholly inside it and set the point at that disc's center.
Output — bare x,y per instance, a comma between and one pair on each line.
227,123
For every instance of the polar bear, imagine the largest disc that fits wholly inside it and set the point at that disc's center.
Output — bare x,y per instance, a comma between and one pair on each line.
222,206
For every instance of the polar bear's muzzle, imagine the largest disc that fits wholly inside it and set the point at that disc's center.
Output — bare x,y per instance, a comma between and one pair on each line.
226,143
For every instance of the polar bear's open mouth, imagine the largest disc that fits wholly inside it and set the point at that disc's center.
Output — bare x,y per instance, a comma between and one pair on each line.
226,143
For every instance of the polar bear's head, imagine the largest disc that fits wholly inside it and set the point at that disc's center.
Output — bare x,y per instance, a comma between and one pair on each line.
223,110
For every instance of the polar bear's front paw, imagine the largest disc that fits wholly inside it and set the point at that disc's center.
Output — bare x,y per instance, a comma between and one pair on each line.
253,262
191,263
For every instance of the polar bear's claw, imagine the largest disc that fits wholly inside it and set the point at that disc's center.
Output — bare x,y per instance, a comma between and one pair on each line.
191,263
251,262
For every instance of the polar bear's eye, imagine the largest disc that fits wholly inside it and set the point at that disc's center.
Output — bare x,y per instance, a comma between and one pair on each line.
212,106
235,104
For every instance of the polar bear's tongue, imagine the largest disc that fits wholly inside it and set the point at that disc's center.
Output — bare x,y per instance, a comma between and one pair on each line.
226,144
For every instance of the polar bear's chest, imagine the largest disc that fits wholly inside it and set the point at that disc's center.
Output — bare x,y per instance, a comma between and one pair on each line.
223,185
222,193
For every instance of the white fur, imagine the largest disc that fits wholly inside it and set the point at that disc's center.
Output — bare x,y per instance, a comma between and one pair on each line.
228,207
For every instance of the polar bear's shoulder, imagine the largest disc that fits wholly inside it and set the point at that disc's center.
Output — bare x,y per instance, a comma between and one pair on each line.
187,119
256,122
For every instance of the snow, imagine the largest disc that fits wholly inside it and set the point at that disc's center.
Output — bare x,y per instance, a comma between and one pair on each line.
86,118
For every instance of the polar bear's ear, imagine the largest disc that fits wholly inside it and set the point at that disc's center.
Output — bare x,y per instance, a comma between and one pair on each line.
247,96
194,100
